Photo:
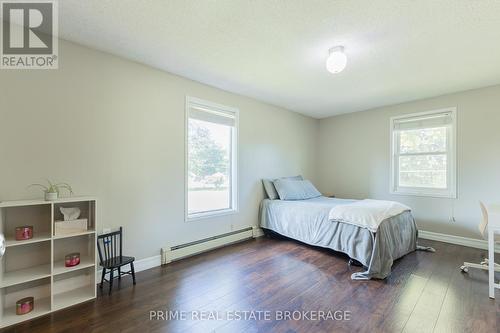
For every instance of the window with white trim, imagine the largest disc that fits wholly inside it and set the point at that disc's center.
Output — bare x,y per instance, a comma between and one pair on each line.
211,159
423,150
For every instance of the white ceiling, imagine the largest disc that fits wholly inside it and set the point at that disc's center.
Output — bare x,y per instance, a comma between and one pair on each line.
274,51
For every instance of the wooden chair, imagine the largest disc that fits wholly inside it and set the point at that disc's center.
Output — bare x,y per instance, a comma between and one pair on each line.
109,247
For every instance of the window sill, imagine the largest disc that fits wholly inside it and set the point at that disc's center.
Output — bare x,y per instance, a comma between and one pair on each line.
207,215
425,194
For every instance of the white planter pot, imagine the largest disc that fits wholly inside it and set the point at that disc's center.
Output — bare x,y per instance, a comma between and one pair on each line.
51,196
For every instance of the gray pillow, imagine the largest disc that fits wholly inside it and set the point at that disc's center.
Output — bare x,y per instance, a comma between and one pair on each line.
296,189
269,186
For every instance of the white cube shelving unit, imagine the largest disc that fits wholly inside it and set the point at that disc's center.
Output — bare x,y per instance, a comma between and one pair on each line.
35,267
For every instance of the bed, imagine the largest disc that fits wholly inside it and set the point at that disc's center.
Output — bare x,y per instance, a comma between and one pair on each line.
308,221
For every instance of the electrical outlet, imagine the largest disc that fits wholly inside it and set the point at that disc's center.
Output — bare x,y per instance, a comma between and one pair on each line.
232,227
452,219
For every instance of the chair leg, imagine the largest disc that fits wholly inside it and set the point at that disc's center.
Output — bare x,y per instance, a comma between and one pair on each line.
102,277
119,273
133,271
111,280
465,267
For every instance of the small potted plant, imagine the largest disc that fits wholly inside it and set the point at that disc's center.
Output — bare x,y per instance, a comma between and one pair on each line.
52,190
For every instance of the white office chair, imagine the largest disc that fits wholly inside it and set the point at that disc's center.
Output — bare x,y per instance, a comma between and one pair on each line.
483,230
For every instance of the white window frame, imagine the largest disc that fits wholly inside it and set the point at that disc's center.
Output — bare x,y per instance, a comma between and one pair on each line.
451,150
194,101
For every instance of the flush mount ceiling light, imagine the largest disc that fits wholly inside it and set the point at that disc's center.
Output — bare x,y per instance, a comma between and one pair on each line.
337,60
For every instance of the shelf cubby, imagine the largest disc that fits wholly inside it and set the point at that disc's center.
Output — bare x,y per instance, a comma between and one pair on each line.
40,290
84,244
87,211
74,287
38,216
25,263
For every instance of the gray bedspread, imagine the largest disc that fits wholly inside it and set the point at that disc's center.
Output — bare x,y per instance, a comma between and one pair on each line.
307,221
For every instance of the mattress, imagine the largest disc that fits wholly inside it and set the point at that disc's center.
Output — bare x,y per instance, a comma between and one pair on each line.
307,221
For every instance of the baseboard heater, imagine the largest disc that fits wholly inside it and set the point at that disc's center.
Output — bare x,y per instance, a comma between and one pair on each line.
169,254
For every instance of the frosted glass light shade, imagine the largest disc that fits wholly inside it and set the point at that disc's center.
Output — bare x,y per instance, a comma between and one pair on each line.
337,60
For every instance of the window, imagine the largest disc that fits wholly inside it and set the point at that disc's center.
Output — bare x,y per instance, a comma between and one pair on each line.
424,154
211,158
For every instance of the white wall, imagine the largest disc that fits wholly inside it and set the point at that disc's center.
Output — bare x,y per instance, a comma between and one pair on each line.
354,158
115,129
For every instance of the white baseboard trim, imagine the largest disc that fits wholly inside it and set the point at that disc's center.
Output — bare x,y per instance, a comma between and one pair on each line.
457,240
147,263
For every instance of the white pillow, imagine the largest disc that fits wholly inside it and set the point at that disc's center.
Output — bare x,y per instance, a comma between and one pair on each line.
269,186
295,189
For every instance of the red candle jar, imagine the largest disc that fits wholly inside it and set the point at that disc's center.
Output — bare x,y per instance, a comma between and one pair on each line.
25,305
72,259
24,232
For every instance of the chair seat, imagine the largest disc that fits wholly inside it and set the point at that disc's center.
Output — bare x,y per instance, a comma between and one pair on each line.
117,262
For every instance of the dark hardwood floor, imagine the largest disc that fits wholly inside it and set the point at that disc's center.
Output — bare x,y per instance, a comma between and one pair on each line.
426,292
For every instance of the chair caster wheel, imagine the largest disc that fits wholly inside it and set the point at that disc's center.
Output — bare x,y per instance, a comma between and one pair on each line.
464,269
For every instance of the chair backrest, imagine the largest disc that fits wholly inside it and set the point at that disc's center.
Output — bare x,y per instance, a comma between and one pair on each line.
110,245
483,227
